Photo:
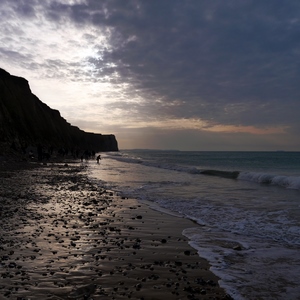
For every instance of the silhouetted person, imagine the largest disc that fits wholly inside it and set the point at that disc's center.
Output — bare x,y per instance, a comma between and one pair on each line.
98,158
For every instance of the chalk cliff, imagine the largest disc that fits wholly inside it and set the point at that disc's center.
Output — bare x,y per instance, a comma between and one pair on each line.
25,120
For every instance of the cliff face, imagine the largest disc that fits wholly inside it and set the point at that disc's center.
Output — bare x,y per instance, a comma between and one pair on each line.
25,120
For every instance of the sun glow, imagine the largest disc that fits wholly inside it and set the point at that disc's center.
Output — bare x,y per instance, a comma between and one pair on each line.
198,124
246,129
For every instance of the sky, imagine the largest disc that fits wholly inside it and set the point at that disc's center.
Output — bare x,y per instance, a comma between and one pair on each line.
172,74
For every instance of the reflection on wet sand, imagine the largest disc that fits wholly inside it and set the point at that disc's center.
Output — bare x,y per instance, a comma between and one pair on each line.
65,237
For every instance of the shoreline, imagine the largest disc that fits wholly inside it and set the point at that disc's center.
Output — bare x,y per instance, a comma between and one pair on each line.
65,237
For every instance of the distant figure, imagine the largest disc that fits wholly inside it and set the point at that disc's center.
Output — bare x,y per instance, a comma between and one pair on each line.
30,154
98,158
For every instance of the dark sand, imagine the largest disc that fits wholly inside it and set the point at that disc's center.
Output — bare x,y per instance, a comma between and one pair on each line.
65,237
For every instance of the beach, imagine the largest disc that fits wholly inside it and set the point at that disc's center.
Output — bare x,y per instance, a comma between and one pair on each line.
249,226
64,236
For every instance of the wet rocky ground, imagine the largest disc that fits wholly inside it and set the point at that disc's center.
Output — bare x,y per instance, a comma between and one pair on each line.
62,236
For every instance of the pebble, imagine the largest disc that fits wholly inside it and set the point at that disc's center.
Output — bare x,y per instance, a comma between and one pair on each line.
68,223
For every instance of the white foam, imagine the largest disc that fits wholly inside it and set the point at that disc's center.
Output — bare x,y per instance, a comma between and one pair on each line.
262,218
269,267
291,182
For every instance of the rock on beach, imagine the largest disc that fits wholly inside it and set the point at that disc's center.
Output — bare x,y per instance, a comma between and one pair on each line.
63,236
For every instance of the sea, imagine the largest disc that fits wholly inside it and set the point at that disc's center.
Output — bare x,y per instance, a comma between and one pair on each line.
246,204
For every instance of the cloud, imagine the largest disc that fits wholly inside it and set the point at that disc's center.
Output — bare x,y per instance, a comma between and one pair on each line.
226,65
205,55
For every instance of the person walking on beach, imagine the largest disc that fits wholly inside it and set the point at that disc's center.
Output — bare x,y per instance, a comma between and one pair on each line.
98,158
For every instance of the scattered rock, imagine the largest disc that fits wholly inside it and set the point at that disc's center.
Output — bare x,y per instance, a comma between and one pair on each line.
237,248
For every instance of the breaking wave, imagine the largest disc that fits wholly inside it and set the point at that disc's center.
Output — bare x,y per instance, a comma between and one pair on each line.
290,182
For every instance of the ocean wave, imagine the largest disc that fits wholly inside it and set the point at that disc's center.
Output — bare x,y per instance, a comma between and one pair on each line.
155,164
291,182
224,174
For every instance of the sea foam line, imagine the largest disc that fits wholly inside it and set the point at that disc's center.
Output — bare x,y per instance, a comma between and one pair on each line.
290,182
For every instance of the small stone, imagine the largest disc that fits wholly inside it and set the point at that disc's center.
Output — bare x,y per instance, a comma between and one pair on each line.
12,265
237,248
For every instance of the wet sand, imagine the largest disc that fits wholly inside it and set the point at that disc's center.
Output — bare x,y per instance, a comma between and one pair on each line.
65,237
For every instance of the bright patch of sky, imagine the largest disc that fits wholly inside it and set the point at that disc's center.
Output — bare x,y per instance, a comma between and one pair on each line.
214,74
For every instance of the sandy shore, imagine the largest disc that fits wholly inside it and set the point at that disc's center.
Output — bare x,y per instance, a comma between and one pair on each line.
65,237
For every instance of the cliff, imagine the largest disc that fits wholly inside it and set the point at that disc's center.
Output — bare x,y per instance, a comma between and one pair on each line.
25,120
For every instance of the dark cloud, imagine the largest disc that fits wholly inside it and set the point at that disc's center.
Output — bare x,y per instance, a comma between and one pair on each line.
25,8
205,54
13,56
229,62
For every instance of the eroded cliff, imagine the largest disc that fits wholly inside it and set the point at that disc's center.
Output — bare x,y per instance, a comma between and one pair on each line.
25,120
